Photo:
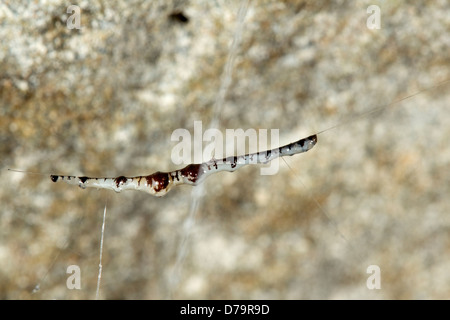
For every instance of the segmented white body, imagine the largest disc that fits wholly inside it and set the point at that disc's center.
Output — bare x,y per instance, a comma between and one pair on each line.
159,183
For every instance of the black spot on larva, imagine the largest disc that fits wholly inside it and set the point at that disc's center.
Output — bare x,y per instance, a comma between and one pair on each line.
234,163
268,153
83,179
120,180
174,175
54,178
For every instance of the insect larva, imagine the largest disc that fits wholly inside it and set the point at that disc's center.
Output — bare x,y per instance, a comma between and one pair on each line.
159,183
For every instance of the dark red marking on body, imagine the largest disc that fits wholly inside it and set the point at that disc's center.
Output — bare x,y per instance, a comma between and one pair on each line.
158,180
120,180
192,172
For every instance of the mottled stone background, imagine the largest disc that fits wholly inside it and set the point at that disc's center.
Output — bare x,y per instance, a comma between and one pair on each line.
105,99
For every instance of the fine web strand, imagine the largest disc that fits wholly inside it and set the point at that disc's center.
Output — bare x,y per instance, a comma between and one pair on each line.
42,280
383,107
227,75
353,249
197,194
100,266
37,287
328,218
188,225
